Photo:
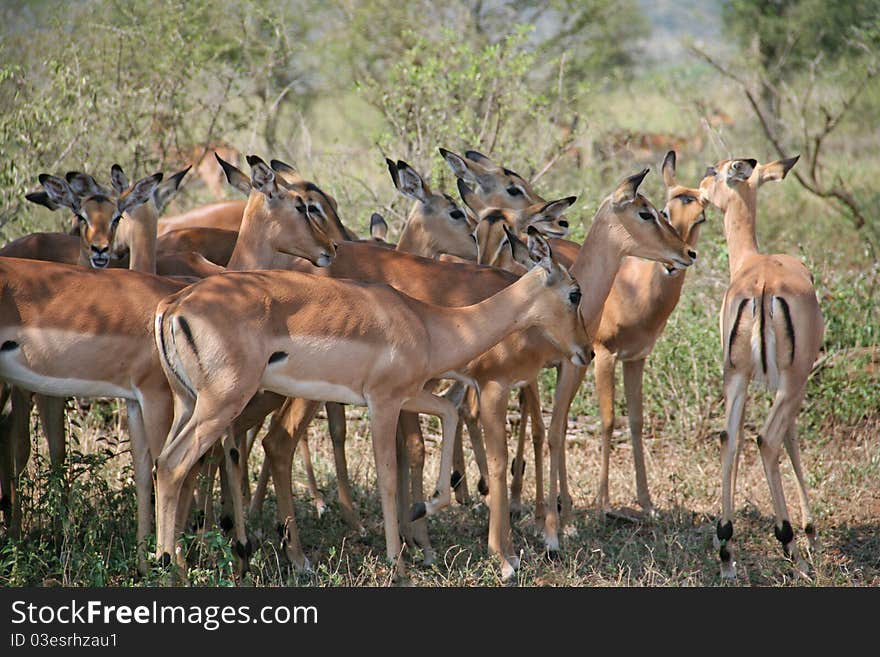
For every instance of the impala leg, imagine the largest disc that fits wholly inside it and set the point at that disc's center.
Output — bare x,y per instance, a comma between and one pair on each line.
143,478
247,444
51,411
285,431
538,435
604,363
470,411
209,420
735,393
459,478
794,453
383,424
411,470
770,441
518,465
567,384
426,402
204,492
336,424
633,372
493,410
233,462
15,437
256,507
306,454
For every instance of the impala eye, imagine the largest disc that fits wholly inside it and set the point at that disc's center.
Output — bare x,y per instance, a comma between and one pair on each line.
301,208
685,200
314,209
647,216
457,214
514,191
575,296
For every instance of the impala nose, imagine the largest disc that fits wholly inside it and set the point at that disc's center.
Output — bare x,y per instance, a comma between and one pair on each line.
692,254
563,223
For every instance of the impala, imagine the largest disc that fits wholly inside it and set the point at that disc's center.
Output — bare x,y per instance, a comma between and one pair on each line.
619,229
302,335
771,332
108,339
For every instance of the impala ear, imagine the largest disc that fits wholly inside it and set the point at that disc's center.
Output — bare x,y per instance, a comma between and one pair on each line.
409,182
628,188
83,184
262,176
518,249
458,165
470,198
775,171
140,193
378,227
668,169
554,209
477,156
41,198
59,192
168,188
118,179
539,250
288,172
234,176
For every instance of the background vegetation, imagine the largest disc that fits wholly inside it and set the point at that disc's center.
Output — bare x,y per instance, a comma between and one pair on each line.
574,94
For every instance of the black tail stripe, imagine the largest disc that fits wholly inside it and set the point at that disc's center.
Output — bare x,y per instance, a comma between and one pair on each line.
763,343
184,326
789,326
167,360
734,329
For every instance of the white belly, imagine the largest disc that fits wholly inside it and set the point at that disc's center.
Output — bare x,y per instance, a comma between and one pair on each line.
314,390
13,371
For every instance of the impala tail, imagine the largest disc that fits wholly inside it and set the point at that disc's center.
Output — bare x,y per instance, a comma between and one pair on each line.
166,341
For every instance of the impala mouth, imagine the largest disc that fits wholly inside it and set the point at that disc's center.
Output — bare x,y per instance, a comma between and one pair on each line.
100,261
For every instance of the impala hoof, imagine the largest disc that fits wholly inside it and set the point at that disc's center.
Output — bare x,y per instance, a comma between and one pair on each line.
456,479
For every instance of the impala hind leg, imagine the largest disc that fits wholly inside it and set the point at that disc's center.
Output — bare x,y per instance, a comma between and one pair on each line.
538,438
143,478
425,402
735,394
518,465
794,454
633,372
459,469
779,424
413,442
567,384
337,428
317,496
209,420
470,412
259,495
287,428
243,548
15,452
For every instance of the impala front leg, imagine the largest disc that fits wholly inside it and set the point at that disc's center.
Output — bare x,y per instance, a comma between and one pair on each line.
383,424
493,408
633,372
570,378
337,428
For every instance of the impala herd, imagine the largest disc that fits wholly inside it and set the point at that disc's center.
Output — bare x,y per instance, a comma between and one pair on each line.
209,322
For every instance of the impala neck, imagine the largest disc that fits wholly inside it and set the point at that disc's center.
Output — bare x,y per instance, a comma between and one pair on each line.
458,335
739,228
141,235
253,249
415,241
596,266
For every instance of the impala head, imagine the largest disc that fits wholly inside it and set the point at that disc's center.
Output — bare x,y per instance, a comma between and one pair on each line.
436,224
685,208
740,178
645,232
282,215
556,304
498,187
96,209
320,206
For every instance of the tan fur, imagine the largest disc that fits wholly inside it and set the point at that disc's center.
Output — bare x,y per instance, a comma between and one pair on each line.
771,331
